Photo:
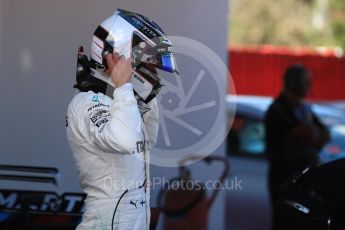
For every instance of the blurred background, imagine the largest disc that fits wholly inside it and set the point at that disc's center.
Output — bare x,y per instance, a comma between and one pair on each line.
271,35
256,39
265,38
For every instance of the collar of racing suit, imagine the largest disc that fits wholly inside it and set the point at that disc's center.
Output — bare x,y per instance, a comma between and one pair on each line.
87,83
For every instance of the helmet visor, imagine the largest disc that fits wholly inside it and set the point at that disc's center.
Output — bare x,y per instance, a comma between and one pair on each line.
166,62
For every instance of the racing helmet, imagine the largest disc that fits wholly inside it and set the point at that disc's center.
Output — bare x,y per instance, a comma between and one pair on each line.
133,36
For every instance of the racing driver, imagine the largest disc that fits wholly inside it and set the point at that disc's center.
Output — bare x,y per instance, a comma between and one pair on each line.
112,121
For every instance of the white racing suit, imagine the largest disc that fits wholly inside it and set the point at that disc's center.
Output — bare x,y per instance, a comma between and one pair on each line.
110,141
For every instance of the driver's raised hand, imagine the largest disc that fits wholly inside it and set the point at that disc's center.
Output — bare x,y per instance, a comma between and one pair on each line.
120,69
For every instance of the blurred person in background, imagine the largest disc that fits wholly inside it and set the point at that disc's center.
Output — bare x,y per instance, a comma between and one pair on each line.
294,134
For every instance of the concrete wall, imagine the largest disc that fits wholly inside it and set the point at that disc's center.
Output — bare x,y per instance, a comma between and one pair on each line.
39,40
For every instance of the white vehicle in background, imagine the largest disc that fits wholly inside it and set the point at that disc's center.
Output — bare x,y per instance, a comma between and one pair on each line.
249,208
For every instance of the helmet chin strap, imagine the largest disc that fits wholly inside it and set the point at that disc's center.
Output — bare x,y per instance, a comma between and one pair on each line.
89,77
101,75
